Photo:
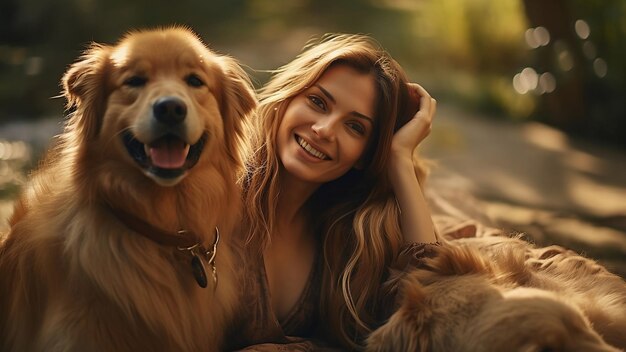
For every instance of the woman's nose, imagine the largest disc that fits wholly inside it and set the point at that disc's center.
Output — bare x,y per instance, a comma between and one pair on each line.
324,128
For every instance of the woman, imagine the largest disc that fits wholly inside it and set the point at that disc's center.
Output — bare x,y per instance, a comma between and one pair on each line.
332,142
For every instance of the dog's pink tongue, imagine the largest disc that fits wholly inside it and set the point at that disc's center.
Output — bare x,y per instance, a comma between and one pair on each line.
169,153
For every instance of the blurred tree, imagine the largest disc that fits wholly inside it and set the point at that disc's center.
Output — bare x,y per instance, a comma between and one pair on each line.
586,55
566,106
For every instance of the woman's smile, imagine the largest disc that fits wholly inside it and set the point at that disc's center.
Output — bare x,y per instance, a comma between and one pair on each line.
310,149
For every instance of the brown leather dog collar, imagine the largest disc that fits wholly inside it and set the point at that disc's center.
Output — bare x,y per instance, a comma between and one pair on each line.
183,240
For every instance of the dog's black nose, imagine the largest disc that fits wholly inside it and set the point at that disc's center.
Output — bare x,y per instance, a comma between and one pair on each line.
169,110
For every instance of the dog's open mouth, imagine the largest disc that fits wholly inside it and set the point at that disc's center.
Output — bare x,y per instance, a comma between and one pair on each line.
166,157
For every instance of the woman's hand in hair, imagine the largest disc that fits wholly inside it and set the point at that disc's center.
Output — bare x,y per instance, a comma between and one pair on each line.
415,220
409,136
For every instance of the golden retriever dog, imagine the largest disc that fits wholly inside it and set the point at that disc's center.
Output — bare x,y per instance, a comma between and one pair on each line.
115,244
503,294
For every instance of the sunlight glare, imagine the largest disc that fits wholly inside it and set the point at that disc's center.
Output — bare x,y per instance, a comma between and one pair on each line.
545,137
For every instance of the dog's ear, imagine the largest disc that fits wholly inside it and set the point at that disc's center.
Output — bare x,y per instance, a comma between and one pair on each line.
237,100
408,328
84,87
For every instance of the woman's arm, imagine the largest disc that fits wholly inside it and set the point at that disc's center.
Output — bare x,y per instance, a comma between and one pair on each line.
415,220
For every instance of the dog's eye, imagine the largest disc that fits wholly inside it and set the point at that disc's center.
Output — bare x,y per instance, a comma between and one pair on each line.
194,81
136,81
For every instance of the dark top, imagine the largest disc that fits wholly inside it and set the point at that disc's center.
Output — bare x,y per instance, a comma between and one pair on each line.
258,329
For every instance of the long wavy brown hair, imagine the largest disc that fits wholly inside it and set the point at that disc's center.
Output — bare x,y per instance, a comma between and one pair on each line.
356,215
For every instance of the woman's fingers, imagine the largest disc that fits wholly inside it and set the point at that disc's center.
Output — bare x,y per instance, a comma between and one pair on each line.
428,107
427,104
433,107
418,128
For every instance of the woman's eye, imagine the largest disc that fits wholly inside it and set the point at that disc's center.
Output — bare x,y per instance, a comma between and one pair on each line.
357,127
318,102
136,81
194,81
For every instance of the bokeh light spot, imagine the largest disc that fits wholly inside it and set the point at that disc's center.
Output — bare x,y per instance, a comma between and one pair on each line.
582,29
566,61
536,37
547,82
600,67
589,50
33,66
542,36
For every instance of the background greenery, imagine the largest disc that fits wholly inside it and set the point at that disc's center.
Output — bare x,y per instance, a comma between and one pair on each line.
464,51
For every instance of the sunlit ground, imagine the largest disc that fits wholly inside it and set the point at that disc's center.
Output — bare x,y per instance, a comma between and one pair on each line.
531,178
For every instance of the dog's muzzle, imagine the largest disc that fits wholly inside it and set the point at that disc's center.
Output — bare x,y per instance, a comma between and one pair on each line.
168,156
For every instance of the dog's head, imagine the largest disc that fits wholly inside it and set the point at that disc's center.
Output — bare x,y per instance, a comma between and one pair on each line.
459,302
159,102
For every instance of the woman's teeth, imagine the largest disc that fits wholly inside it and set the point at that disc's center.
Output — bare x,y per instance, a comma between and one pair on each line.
306,146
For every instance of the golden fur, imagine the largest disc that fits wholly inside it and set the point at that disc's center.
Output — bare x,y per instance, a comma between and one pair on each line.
503,294
72,276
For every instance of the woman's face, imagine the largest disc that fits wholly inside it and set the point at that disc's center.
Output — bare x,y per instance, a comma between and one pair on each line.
326,128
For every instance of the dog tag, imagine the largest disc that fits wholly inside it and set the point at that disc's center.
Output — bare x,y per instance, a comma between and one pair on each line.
199,272
214,270
211,260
